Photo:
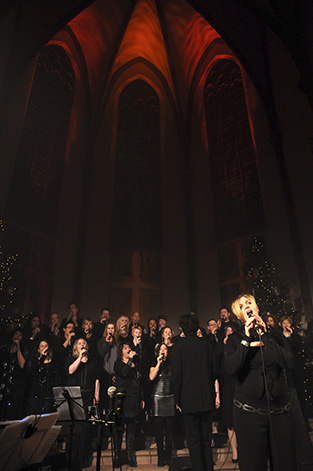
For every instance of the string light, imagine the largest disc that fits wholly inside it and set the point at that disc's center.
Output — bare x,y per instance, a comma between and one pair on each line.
274,296
7,288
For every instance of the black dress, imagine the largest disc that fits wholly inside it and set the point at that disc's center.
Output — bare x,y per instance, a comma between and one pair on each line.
42,377
85,376
163,410
128,379
12,387
163,402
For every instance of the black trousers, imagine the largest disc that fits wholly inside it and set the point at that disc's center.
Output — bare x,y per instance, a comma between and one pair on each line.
198,428
264,436
164,425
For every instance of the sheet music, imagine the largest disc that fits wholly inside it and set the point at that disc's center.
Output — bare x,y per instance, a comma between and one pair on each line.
16,451
37,440
43,450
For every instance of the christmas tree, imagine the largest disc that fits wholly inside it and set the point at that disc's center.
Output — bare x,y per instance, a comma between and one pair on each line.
8,266
275,296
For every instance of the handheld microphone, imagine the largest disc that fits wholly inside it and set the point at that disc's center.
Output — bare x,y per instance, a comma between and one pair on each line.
256,327
111,391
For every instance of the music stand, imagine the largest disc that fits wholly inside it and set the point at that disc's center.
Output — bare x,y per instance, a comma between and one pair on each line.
27,441
69,402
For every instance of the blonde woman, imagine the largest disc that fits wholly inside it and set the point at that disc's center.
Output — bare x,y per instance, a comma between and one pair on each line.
82,372
122,328
259,358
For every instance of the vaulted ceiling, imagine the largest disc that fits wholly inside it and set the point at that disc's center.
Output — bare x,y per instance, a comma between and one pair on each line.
241,24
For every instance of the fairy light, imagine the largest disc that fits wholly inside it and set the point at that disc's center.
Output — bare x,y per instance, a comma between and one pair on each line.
7,288
274,296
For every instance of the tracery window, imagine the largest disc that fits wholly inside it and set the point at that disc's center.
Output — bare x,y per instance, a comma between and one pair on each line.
33,199
236,189
36,184
137,208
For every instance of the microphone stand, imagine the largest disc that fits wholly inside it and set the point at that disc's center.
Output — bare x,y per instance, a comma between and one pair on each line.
110,421
272,438
68,399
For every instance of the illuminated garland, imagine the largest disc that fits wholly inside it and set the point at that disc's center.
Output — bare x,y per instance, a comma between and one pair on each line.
273,297
7,292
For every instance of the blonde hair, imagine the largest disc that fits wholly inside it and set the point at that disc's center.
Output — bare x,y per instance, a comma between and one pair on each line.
235,307
75,351
136,327
118,323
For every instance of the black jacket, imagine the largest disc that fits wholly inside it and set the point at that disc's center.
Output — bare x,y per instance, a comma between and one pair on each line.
193,374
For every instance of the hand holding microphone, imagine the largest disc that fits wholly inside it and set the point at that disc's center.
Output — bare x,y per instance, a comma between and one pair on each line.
254,323
160,358
83,353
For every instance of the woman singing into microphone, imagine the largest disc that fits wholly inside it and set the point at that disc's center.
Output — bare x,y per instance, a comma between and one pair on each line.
261,403
128,379
82,371
163,403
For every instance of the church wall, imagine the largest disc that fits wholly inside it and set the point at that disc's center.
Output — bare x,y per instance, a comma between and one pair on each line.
277,235
97,275
295,117
207,270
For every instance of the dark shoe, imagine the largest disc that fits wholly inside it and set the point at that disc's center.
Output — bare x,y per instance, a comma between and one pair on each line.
168,457
161,463
116,463
132,462
234,460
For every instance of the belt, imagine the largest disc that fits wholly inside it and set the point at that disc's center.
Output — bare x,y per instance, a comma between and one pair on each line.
248,408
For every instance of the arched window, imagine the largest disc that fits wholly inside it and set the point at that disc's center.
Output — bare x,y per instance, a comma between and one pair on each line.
36,184
136,228
137,208
236,189
33,199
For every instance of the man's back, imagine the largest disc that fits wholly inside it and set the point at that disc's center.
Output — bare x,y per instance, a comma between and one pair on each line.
193,374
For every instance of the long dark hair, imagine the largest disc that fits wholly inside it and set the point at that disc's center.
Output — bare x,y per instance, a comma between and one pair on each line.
120,349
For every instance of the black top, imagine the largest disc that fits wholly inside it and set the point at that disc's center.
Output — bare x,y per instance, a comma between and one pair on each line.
128,379
42,377
246,363
163,403
12,386
84,376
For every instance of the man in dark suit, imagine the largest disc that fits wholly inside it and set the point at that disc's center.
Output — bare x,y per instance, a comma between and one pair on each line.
196,390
